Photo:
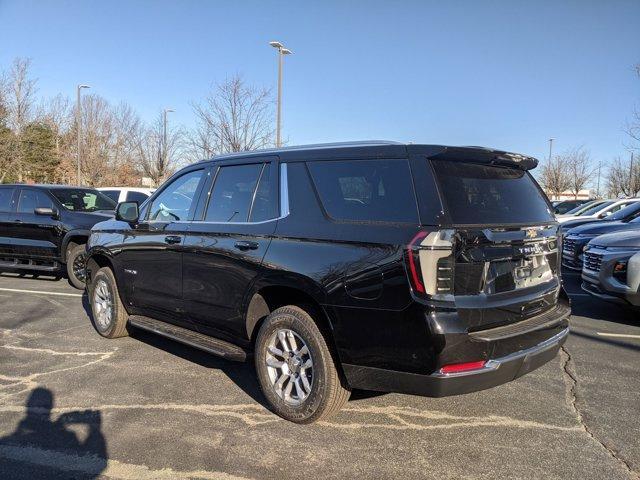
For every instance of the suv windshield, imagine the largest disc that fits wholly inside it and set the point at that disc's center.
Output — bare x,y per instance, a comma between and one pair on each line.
485,194
594,210
81,200
627,213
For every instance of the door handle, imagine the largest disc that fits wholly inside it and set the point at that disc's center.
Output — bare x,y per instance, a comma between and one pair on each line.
172,239
243,245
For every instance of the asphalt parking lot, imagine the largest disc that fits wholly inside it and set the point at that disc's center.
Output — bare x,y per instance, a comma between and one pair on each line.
75,405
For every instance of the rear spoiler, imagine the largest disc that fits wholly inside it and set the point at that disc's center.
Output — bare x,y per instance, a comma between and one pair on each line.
485,155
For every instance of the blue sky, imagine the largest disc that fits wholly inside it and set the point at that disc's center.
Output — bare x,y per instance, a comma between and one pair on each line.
502,74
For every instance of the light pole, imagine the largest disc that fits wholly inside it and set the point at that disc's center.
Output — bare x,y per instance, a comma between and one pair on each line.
79,126
164,135
282,51
550,147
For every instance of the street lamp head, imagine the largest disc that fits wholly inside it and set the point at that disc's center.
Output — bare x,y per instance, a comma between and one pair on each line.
167,110
84,86
276,44
286,51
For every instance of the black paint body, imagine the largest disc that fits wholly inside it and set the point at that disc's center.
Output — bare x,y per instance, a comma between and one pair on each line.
31,242
354,273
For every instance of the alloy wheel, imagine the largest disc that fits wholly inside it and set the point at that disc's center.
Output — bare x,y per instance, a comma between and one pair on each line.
290,366
103,305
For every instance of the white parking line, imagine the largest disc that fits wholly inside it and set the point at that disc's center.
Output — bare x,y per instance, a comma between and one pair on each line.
38,292
621,335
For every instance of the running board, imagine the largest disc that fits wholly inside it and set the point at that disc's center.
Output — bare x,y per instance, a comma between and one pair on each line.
189,337
29,264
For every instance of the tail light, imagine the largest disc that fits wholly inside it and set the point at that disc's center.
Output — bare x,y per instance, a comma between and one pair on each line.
430,265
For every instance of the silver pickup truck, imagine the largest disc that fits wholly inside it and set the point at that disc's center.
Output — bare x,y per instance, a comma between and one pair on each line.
611,268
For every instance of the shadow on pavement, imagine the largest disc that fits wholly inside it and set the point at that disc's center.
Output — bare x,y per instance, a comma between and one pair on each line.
32,276
38,440
597,309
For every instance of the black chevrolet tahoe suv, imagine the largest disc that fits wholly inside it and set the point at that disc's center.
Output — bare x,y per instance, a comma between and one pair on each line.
423,269
44,228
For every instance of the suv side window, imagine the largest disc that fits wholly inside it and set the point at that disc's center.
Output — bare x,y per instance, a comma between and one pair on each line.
112,194
5,199
32,199
366,190
265,204
136,197
233,193
174,203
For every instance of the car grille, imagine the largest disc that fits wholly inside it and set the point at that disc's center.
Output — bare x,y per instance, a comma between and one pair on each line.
592,261
569,245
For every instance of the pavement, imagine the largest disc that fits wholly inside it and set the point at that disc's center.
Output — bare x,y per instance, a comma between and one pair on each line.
75,405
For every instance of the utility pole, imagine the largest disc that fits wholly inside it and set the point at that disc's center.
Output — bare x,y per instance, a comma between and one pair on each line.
79,128
282,51
598,187
632,186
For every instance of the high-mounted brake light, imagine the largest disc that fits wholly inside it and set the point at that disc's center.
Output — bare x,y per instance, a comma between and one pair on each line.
463,367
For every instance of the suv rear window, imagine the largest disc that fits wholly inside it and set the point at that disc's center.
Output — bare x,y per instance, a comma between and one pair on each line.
366,190
484,194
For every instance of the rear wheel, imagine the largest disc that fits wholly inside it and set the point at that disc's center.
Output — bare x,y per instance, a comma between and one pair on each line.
109,315
76,259
295,367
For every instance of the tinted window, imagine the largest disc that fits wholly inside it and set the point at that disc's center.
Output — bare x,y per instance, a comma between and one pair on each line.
232,193
31,199
81,200
584,207
484,194
136,197
174,202
627,213
265,205
366,190
5,199
112,194
596,209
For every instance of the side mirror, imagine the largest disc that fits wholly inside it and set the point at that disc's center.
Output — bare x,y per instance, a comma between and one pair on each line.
46,212
127,212
605,214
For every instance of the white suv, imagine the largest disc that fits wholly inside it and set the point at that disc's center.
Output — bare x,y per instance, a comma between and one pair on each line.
601,210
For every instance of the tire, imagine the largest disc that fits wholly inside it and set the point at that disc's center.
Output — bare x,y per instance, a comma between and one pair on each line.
108,314
323,393
76,255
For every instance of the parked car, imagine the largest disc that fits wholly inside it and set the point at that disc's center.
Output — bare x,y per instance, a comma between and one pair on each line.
45,227
611,268
565,205
127,194
602,210
625,214
583,208
576,239
422,269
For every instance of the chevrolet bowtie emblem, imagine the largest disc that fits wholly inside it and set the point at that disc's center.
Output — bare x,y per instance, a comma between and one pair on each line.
531,233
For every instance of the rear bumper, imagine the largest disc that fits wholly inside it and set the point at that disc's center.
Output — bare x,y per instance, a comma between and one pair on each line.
496,372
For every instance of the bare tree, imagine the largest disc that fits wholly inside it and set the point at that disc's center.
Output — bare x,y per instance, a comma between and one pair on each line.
234,117
580,169
20,98
153,160
624,177
633,125
554,176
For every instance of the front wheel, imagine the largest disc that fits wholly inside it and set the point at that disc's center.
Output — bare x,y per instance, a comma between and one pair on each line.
76,259
109,315
295,367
